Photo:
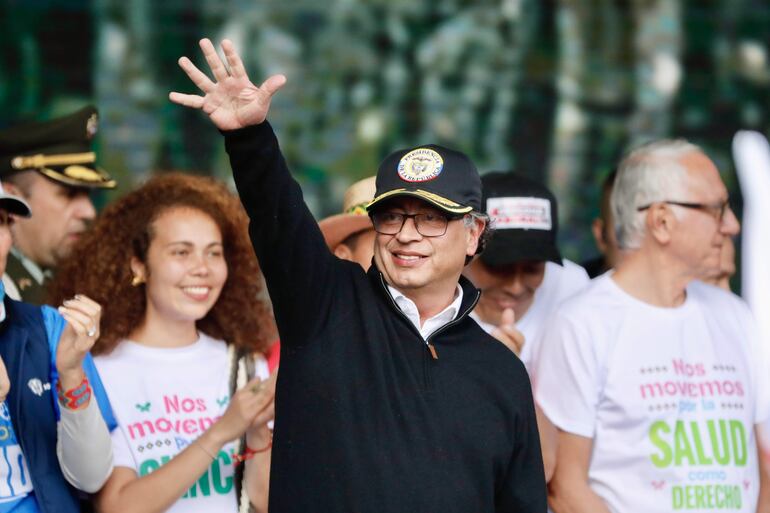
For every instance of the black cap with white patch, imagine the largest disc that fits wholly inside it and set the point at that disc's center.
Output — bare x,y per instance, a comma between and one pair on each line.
525,219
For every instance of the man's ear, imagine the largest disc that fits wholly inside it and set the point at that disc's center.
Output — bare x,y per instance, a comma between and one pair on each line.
597,229
474,234
344,252
660,223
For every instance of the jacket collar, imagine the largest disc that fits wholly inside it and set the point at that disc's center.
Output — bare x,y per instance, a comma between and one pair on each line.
470,293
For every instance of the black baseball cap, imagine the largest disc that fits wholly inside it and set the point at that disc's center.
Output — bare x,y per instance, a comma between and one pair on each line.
59,149
447,179
525,219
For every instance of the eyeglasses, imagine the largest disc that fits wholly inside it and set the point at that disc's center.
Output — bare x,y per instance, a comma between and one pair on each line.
427,225
717,211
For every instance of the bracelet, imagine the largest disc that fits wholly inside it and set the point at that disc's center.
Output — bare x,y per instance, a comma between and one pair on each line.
202,448
76,398
250,453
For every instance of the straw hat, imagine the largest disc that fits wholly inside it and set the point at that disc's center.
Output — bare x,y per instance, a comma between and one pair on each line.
353,218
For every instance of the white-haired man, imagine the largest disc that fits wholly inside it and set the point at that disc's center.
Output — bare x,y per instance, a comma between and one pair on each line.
656,381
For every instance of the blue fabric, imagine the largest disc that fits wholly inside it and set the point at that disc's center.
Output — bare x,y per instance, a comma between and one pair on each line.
10,457
14,474
54,327
26,505
2,311
26,351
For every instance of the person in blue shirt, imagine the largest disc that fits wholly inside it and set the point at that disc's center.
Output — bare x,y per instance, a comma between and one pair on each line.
55,419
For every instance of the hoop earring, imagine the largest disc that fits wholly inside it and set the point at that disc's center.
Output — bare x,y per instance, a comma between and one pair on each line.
137,280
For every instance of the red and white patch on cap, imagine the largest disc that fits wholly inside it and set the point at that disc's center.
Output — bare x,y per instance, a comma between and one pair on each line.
520,213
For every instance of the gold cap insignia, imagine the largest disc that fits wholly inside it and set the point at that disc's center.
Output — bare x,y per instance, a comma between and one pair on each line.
82,173
92,125
40,160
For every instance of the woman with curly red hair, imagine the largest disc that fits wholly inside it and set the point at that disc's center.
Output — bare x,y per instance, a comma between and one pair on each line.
173,267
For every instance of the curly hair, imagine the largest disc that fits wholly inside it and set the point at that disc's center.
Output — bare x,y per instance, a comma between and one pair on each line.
99,265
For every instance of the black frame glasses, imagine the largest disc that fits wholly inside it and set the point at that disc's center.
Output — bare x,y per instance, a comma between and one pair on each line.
716,210
426,224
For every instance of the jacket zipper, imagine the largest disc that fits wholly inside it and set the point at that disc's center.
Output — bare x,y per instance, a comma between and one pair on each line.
452,323
431,348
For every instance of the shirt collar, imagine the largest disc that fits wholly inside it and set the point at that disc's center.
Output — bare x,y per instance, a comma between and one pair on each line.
427,328
34,270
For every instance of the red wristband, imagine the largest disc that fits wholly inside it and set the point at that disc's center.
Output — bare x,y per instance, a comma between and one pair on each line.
76,398
249,453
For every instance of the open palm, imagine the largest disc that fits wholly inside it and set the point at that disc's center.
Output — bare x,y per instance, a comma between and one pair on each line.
233,101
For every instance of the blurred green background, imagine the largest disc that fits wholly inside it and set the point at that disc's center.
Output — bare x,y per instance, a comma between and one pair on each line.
554,89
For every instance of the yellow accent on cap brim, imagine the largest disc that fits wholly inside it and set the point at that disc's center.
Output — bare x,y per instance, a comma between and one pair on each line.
432,198
78,178
40,161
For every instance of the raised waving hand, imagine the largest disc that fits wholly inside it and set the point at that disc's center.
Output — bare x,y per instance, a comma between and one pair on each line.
231,100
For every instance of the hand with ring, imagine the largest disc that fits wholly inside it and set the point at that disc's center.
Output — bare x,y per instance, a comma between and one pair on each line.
81,332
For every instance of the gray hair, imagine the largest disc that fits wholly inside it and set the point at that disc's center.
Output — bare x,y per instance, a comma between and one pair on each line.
648,174
471,217
469,220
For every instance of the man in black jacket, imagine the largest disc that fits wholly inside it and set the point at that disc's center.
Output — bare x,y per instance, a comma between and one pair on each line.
390,398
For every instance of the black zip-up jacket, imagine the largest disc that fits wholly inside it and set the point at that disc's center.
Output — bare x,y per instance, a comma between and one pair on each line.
366,419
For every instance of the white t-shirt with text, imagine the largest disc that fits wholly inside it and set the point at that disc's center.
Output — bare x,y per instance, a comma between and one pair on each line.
165,398
670,396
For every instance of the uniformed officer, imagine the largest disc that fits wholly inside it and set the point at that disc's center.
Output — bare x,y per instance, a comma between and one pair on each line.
51,166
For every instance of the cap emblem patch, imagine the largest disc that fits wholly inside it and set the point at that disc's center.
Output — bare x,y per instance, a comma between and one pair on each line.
92,125
520,213
420,165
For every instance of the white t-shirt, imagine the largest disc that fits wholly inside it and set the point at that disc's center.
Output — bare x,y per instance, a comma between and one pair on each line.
163,399
670,396
559,283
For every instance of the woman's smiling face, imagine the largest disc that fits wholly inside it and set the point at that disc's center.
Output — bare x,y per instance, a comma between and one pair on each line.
185,267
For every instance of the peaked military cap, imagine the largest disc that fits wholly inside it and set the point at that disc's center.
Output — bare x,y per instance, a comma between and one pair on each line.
59,149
